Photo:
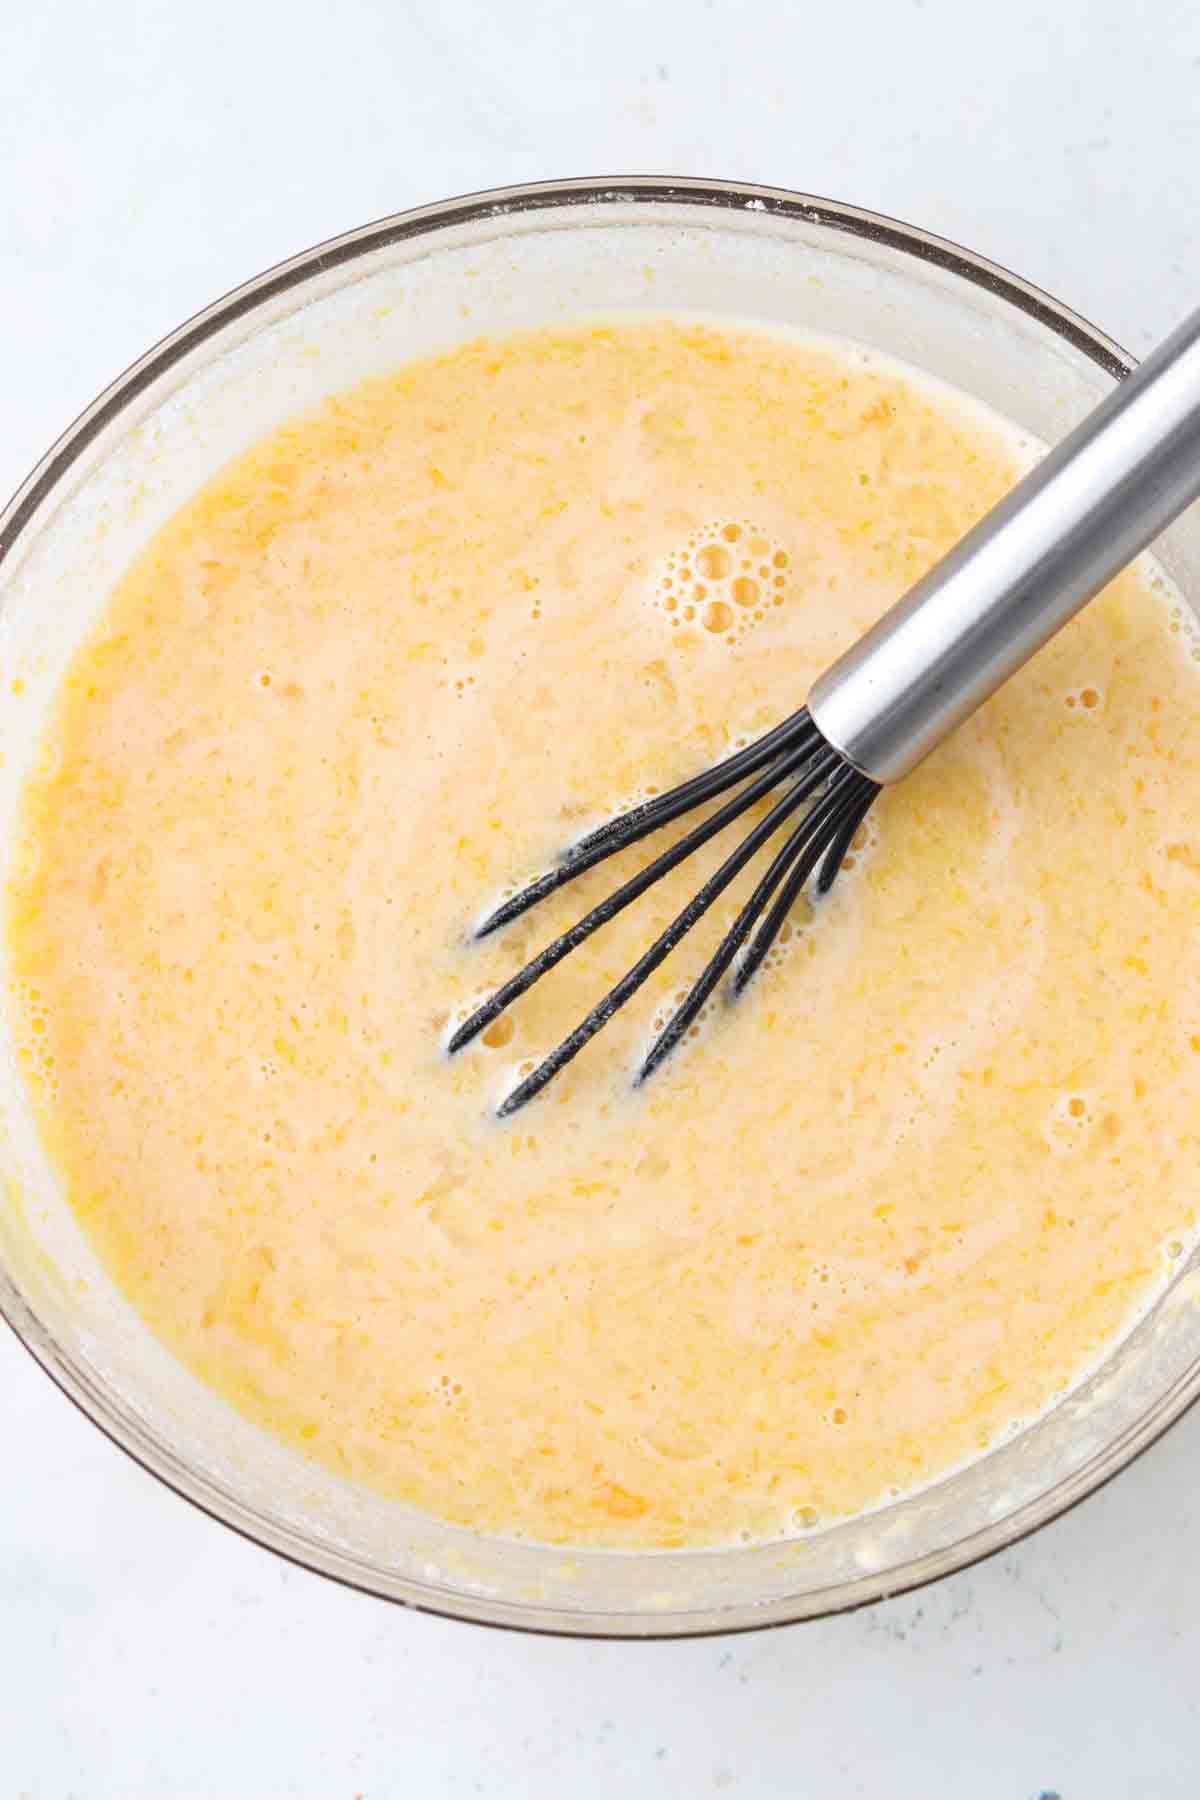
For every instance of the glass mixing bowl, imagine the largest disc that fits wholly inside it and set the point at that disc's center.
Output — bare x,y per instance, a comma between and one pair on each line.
348,309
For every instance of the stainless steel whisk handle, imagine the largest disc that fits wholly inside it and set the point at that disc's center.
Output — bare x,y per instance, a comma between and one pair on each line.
1066,529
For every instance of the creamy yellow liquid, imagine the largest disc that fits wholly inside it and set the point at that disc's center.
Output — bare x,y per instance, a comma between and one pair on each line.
392,661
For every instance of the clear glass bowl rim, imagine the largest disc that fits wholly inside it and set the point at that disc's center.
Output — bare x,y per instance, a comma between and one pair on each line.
57,465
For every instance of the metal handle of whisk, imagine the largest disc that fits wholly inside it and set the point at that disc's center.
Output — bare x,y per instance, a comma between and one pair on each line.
1066,529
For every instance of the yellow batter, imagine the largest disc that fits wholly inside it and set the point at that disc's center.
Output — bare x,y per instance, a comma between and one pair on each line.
390,662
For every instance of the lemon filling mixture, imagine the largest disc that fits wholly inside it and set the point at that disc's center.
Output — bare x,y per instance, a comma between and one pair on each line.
391,662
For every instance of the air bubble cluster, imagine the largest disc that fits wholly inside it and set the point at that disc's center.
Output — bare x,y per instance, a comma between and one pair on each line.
33,1049
1181,621
864,841
668,1007
725,578
1071,1118
496,1036
448,1391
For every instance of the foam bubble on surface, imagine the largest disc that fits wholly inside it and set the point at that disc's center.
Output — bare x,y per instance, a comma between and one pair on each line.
727,576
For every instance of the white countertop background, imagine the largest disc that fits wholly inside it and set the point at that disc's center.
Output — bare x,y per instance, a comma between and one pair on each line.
152,154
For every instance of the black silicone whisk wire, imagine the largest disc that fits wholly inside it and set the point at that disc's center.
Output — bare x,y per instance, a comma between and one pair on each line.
794,759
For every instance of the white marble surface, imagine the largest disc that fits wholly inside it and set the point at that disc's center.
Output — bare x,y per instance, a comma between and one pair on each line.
154,153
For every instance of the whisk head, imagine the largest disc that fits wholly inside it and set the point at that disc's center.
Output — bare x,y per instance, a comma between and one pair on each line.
793,758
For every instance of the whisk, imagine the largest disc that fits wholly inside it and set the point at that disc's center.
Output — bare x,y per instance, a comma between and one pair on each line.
1019,575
